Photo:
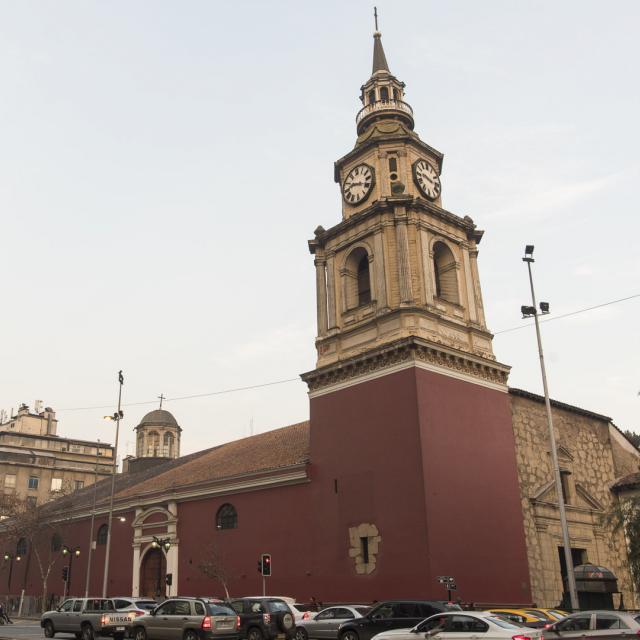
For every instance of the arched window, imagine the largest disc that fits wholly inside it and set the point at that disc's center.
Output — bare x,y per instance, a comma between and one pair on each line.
372,96
56,542
153,444
103,532
384,94
357,283
140,445
21,547
396,94
446,277
227,517
168,445
364,284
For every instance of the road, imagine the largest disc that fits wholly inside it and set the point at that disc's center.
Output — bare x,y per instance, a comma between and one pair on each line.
27,630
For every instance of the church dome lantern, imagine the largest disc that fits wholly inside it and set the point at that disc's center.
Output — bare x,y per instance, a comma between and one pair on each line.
382,95
158,435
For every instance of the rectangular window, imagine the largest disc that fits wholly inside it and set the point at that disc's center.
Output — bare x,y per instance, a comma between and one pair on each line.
10,481
33,482
364,548
56,484
79,484
566,489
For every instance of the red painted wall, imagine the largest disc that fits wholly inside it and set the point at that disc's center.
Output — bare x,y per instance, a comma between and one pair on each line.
431,461
428,459
472,497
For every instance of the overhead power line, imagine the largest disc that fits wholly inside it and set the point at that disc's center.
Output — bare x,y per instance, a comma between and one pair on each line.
195,395
297,379
566,315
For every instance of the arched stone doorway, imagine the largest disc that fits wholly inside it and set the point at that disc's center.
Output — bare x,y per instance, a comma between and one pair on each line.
152,574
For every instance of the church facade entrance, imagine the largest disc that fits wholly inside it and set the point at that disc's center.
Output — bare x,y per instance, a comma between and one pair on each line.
153,574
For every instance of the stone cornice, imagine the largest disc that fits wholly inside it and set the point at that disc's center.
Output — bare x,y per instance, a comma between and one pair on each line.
409,137
406,351
293,474
387,205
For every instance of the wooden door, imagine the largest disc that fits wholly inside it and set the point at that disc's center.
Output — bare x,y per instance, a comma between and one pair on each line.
152,574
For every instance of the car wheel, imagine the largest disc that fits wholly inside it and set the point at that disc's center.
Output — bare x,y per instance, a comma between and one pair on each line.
140,634
301,634
87,632
190,635
118,636
253,634
49,631
349,634
78,635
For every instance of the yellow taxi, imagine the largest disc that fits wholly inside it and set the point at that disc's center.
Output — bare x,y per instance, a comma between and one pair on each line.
524,617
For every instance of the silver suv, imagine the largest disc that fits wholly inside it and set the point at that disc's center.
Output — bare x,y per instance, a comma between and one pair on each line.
187,619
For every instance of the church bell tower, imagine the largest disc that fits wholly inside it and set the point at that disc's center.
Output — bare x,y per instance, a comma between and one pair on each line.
399,266
412,447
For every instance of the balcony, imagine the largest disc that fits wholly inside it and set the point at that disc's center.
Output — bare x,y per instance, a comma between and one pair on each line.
384,105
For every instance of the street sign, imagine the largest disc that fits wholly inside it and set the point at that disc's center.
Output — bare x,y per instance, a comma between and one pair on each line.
451,586
445,579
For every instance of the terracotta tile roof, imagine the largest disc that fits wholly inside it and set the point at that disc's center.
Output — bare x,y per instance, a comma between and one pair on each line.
559,405
264,452
630,481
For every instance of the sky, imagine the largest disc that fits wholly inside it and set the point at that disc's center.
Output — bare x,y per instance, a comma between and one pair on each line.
163,164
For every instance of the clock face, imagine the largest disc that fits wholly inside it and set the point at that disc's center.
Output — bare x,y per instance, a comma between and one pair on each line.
358,184
427,179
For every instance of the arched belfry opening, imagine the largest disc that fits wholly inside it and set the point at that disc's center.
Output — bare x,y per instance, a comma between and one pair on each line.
357,283
445,272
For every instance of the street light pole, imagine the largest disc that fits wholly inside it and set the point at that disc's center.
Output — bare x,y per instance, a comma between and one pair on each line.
160,543
117,416
71,553
528,312
93,517
9,557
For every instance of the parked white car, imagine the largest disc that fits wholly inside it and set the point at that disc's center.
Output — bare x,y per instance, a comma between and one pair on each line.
463,625
324,626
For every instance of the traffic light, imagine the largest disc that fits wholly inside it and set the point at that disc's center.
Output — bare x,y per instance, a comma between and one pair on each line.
169,579
266,564
65,573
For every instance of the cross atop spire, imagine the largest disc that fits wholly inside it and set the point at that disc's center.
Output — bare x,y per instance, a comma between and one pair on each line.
161,397
379,59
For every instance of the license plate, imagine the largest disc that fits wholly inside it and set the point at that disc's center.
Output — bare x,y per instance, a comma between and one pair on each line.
119,628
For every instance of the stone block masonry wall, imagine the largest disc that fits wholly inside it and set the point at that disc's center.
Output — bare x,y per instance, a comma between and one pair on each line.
587,457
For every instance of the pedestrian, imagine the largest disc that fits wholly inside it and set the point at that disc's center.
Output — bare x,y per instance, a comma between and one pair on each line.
3,614
313,604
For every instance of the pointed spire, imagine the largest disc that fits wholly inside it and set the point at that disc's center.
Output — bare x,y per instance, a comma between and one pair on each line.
379,59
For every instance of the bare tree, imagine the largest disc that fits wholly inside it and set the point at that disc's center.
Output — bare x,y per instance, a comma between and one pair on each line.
624,516
41,530
213,566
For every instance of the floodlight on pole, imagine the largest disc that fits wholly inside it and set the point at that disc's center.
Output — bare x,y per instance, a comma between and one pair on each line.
526,313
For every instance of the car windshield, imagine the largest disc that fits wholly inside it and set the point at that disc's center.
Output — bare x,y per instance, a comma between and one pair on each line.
146,604
449,606
637,619
504,623
277,605
363,610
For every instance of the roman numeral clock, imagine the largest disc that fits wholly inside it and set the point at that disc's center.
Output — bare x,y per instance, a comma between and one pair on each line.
358,184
